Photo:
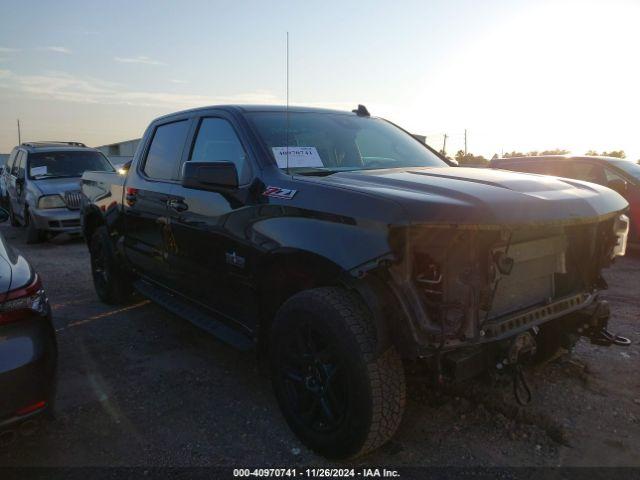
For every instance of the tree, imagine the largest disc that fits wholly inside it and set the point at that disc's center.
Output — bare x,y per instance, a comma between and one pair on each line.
513,154
470,159
612,153
615,153
557,151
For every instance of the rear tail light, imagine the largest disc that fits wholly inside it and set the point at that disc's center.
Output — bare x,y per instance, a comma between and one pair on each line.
22,302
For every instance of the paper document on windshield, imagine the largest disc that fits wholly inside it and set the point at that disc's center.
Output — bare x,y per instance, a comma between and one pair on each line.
298,157
35,171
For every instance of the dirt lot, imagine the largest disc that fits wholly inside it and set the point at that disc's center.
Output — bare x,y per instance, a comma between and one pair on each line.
139,386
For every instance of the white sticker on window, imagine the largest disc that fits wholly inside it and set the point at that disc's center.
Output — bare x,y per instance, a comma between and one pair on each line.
35,171
298,157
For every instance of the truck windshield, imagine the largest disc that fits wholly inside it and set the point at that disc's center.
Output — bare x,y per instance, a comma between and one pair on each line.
66,164
329,142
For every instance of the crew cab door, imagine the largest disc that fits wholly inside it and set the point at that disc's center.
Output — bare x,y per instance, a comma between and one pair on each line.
147,190
212,254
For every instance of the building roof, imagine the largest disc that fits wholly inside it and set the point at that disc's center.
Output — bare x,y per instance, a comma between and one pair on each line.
119,143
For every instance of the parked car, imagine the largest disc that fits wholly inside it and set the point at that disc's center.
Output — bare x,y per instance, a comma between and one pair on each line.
41,184
620,175
28,351
340,245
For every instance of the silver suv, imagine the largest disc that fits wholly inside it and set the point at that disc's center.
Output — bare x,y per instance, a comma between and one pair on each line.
41,186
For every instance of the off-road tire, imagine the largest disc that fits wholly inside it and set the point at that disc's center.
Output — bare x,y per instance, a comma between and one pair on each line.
371,369
111,281
33,234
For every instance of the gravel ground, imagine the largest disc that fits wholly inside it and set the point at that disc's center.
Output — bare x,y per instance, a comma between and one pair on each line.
141,387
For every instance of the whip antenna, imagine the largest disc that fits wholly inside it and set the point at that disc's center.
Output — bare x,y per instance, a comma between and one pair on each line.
287,107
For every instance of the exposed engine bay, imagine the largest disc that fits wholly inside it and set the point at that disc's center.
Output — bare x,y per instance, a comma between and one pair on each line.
467,286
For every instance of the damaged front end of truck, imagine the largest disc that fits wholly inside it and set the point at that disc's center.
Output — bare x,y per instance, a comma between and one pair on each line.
479,297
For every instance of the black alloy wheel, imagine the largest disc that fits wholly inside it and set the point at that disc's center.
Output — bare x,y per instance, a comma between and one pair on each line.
312,378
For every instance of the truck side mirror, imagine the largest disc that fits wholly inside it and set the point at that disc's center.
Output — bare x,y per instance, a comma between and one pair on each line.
618,185
209,175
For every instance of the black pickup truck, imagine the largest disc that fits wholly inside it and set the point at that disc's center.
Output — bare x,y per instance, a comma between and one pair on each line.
345,249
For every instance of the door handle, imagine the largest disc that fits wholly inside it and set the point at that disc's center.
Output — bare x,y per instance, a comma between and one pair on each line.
177,205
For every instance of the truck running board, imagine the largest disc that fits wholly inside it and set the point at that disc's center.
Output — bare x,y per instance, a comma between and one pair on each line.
195,315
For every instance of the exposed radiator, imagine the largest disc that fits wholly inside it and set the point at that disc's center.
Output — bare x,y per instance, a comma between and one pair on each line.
531,280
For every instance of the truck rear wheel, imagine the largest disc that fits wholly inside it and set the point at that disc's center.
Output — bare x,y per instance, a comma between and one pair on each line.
340,389
111,282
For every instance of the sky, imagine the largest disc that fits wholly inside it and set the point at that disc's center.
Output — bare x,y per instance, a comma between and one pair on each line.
517,75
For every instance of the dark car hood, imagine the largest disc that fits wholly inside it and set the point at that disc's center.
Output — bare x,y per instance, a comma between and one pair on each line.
476,196
51,186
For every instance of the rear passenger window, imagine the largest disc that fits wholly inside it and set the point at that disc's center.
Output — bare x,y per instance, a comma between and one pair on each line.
165,150
217,142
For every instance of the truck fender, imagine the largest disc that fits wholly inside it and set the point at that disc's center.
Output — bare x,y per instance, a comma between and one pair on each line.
346,245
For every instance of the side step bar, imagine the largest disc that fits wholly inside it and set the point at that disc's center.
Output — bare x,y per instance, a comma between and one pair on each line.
195,315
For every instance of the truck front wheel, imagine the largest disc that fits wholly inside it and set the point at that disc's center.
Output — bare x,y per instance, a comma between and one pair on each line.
340,389
111,282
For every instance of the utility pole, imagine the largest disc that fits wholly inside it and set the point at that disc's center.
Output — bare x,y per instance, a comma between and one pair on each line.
465,142
444,145
19,137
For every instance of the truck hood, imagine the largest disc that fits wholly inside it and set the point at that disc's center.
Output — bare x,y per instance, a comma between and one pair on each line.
51,186
476,196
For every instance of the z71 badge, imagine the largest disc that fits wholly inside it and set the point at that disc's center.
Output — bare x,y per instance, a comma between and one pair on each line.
277,192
